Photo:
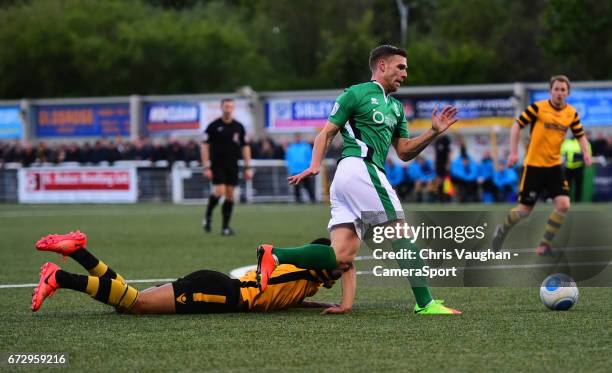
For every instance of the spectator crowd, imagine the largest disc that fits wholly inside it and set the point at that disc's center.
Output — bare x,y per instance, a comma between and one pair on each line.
445,178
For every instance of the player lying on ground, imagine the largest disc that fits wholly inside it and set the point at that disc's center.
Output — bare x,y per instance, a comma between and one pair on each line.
202,291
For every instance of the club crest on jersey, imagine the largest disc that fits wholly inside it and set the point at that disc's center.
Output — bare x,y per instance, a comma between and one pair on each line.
374,101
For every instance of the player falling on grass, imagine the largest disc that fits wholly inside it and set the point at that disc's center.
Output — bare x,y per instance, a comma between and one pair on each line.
203,291
549,121
370,121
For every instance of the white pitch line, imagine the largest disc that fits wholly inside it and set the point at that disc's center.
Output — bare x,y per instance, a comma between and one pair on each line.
160,280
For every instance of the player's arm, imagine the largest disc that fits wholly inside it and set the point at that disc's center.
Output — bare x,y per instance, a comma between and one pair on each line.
313,304
246,157
578,132
205,155
321,144
527,117
408,149
515,134
349,287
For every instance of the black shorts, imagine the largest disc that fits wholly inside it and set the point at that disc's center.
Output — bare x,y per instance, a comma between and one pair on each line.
542,181
225,173
207,292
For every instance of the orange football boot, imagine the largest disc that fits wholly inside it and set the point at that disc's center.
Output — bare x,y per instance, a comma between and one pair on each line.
47,285
64,244
266,263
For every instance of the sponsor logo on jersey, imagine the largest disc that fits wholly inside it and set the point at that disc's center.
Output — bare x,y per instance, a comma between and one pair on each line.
374,101
555,126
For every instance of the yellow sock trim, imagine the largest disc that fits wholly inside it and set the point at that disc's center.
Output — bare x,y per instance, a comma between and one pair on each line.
93,283
128,299
99,269
116,292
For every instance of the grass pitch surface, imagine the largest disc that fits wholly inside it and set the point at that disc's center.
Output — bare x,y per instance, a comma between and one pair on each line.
501,328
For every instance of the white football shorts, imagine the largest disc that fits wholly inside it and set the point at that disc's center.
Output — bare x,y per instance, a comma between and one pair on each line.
361,194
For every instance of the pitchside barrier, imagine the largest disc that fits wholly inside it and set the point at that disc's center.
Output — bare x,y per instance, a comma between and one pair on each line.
144,181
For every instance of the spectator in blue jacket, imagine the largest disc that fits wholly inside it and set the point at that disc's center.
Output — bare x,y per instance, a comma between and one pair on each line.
298,156
423,174
505,181
396,174
486,169
464,174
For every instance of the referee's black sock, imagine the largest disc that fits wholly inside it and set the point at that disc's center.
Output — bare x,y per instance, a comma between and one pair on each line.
226,209
212,203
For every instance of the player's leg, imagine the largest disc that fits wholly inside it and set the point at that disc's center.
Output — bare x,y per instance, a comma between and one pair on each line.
531,184
217,192
558,187
155,300
106,290
227,208
74,244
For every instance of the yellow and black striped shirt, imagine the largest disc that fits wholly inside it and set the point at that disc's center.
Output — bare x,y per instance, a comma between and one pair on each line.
288,286
548,128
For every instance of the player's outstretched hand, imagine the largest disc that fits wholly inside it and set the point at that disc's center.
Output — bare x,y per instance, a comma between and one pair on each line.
208,173
295,179
313,304
248,174
336,310
440,121
588,160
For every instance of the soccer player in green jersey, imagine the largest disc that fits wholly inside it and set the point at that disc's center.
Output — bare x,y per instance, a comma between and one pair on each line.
370,121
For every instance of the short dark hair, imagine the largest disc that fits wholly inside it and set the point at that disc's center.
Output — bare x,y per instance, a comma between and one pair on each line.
560,78
226,99
384,51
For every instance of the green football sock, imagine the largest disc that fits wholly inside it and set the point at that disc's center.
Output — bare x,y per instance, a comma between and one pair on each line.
310,256
418,284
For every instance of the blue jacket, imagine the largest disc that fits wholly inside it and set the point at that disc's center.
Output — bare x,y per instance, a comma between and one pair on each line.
394,172
298,157
465,173
504,178
418,172
486,169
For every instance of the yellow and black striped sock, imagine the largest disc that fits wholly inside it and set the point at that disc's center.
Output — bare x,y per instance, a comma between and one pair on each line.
112,292
553,225
94,266
513,217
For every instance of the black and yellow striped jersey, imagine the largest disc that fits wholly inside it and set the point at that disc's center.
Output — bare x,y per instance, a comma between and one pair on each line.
288,286
548,128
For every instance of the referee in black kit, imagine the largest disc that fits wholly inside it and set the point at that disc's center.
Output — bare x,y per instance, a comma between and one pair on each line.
224,141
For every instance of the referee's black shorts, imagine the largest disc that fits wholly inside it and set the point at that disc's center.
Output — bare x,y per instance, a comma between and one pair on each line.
207,292
224,173
542,181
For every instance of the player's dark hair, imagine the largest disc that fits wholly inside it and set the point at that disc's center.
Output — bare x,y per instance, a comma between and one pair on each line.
384,51
322,241
226,99
560,78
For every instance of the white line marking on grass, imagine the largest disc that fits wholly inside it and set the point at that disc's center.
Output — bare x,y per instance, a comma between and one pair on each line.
148,280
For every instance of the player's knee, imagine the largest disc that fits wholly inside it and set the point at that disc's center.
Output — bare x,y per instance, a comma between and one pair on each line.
563,206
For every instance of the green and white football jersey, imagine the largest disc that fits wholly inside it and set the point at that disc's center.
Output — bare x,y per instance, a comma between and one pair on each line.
369,120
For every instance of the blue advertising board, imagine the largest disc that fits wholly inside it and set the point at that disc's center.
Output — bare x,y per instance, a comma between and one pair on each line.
593,105
288,115
171,117
11,126
82,120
